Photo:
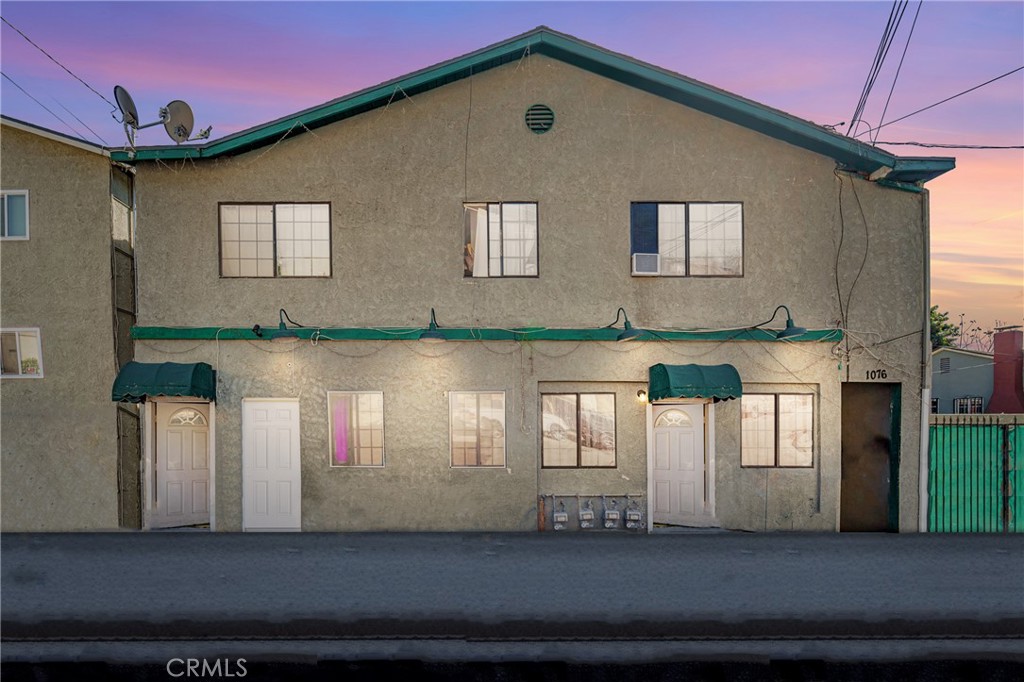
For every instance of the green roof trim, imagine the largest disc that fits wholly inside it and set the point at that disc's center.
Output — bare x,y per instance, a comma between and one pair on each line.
140,380
471,334
851,154
718,382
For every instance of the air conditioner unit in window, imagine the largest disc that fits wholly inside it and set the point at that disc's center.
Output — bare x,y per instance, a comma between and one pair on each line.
646,264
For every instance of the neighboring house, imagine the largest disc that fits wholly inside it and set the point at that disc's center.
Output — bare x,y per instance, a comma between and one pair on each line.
69,457
461,247
972,382
961,381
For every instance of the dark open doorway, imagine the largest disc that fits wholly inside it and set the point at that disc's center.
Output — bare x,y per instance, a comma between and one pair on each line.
869,496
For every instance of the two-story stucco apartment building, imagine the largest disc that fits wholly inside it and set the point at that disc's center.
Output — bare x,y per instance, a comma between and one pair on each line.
535,287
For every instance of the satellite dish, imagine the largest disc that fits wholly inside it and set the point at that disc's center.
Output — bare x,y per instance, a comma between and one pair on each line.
176,116
178,121
128,111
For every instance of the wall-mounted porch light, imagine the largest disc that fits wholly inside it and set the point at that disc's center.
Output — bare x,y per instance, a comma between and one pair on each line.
283,334
791,329
641,395
627,333
433,334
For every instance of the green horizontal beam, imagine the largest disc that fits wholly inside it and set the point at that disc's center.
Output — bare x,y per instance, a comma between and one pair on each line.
469,334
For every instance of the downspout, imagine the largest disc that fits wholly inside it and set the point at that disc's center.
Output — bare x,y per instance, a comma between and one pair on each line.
926,372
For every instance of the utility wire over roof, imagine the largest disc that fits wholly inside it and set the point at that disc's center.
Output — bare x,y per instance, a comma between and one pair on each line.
849,153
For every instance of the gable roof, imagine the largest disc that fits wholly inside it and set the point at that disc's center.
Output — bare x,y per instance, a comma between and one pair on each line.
851,154
964,351
53,135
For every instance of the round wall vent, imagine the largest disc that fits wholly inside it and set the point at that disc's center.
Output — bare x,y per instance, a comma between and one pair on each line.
540,118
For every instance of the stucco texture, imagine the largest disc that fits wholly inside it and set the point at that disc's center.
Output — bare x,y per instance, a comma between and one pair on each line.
59,432
833,248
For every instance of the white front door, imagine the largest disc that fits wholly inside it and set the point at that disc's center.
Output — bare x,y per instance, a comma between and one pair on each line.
678,468
271,468
182,495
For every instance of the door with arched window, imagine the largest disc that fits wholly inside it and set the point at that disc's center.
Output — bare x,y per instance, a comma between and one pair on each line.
679,468
181,494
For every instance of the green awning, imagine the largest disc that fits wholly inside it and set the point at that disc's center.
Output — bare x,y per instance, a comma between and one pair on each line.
140,380
718,382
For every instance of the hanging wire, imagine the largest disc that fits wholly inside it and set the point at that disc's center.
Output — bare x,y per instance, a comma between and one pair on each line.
898,68
114,107
69,126
932,106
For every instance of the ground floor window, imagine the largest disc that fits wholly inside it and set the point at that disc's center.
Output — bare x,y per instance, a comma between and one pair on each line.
21,353
968,405
357,428
477,428
777,430
578,430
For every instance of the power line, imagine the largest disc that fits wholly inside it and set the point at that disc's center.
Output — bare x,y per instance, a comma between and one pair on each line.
895,17
932,106
900,67
95,134
955,146
69,126
52,59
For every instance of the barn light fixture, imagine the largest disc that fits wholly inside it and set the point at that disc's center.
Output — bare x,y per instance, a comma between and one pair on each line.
628,333
791,329
283,334
433,334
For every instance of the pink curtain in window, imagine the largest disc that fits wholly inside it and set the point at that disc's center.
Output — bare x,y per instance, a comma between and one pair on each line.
341,430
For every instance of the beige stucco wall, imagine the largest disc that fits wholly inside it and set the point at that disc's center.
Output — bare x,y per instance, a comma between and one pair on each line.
58,434
396,180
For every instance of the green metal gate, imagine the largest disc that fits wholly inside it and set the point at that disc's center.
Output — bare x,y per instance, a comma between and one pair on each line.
976,474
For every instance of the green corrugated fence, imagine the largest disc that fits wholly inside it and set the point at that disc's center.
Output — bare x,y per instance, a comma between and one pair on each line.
976,474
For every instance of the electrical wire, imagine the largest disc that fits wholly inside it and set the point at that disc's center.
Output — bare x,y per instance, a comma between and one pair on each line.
114,107
954,146
898,68
69,126
95,134
895,17
932,106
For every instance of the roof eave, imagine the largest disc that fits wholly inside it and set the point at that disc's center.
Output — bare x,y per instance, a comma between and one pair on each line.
849,153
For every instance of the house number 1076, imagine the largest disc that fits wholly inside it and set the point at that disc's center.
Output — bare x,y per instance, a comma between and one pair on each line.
875,374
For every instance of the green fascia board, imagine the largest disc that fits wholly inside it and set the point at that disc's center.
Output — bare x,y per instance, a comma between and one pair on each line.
848,152
470,334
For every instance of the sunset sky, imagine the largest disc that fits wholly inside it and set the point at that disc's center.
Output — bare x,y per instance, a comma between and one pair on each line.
240,64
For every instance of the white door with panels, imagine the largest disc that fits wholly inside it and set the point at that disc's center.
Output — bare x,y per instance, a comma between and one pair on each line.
182,464
271,466
679,465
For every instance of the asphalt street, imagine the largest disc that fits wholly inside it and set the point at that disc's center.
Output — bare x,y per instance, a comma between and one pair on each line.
593,596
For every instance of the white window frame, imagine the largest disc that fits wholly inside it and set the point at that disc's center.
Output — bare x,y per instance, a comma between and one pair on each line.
776,430
276,241
966,401
28,222
18,331
498,241
451,424
330,431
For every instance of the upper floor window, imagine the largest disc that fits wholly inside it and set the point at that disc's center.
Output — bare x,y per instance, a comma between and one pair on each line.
500,239
777,430
687,239
275,240
14,214
968,405
21,353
